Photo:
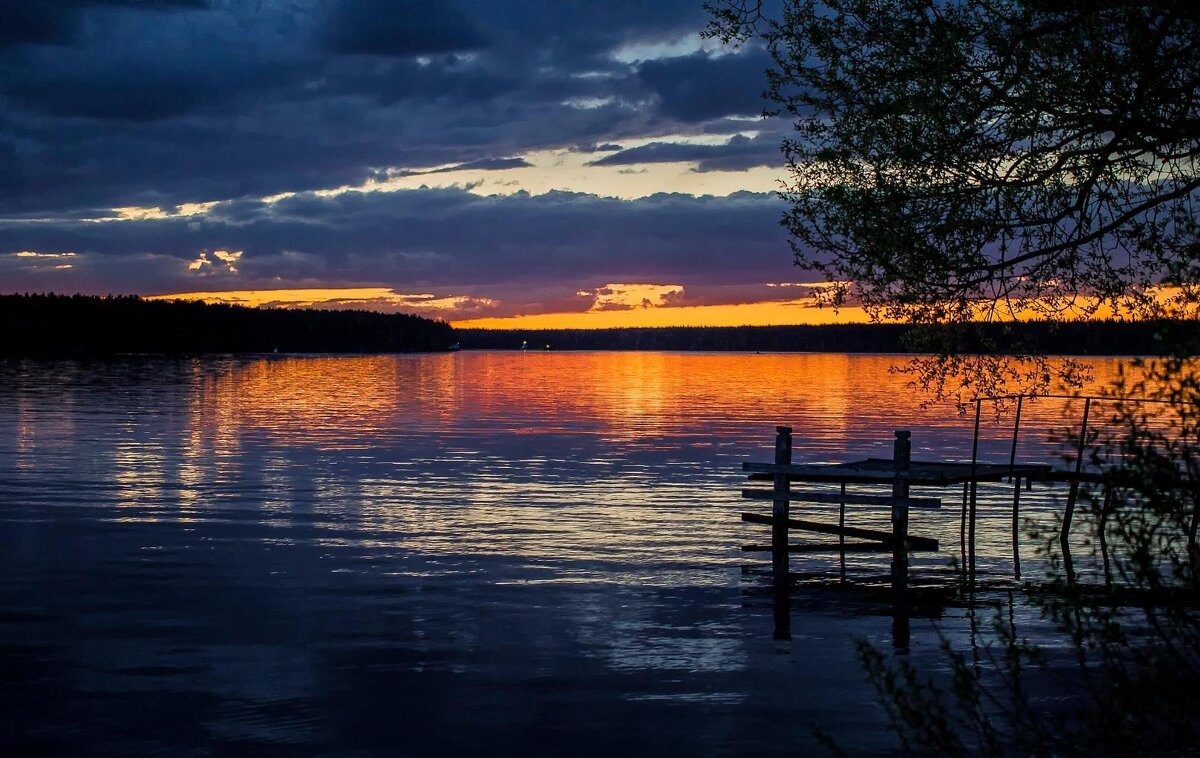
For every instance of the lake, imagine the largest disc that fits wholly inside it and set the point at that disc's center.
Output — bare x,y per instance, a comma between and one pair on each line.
442,554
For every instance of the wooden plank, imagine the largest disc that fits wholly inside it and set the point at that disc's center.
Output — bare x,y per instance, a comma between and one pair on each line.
819,473
880,471
819,479
833,547
918,543
953,472
926,503
1057,475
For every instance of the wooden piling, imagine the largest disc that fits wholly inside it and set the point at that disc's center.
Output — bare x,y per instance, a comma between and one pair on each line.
901,456
1064,539
1102,533
1016,511
973,484
779,510
1016,529
779,533
962,531
842,533
1012,455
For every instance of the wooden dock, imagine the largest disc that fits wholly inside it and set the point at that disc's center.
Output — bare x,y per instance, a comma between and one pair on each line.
903,475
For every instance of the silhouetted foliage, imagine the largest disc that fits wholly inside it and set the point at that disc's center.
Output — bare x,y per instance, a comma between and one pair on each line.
85,325
1135,638
954,160
1015,154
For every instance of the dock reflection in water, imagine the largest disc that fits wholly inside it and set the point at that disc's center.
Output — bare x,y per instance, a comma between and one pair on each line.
422,554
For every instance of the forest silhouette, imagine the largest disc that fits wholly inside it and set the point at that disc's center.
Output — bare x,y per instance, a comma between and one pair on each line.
48,324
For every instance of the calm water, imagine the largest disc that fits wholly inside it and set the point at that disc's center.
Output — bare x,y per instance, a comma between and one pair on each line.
500,552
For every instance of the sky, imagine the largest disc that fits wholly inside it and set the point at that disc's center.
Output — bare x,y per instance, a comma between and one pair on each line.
498,163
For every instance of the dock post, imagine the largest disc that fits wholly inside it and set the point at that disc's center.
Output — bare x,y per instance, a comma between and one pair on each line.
1064,538
962,534
779,533
1016,529
901,457
974,489
1016,512
1100,530
842,535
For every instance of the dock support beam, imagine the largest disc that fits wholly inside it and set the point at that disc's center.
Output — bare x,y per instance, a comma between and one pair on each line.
1016,529
973,486
842,534
779,534
1064,539
1016,511
901,457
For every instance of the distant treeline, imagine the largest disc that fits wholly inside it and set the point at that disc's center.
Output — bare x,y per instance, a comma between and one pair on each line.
1075,338
85,325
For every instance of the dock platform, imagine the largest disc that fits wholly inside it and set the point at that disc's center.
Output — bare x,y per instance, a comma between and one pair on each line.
902,475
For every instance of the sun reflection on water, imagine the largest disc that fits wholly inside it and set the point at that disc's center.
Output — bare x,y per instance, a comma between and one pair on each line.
598,466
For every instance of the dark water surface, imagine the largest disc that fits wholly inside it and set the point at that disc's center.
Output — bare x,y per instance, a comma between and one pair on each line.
496,553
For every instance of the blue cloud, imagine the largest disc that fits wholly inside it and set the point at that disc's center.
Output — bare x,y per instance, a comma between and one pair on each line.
738,154
108,103
497,245
701,86
387,28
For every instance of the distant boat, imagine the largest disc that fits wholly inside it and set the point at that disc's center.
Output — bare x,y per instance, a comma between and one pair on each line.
524,344
455,347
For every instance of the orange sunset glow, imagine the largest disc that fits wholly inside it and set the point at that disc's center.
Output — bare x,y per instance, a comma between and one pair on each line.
777,313
615,305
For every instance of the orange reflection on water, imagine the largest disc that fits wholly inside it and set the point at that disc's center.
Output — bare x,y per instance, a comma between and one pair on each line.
600,466
561,458
353,402
328,402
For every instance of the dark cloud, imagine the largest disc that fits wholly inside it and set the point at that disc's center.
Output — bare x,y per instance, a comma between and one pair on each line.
585,30
135,66
701,86
116,93
155,104
497,246
451,80
607,147
35,23
485,164
190,106
56,22
739,154
399,29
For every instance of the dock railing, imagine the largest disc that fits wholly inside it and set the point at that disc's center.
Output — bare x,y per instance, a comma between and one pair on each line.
902,473
1073,476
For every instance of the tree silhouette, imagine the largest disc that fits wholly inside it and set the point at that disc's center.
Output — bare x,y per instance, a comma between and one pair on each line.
85,325
958,161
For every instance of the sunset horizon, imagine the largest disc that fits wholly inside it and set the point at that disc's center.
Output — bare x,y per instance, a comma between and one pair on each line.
599,378
618,305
